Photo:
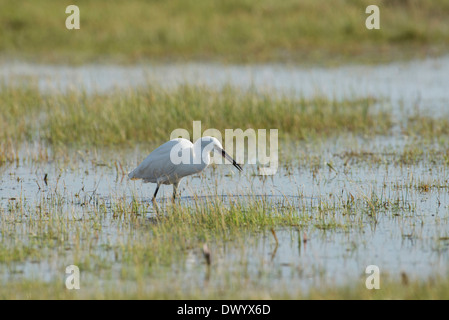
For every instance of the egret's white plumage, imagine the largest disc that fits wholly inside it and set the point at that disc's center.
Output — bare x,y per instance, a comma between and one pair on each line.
176,159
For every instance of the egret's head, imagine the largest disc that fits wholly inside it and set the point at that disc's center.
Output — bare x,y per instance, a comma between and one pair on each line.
211,144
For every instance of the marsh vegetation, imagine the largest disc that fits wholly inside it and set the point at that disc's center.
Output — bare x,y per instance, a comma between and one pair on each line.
354,183
363,150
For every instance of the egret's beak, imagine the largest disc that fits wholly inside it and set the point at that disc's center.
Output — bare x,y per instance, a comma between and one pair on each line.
229,158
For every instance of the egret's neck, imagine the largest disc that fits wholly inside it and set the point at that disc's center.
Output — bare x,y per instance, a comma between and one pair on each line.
200,157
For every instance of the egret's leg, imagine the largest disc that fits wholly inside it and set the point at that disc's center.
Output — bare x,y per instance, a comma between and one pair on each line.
175,190
154,199
155,192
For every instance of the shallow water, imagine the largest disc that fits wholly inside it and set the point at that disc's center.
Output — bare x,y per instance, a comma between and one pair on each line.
410,239
418,84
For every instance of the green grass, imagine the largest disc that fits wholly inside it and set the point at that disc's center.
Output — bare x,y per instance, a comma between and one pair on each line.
426,126
150,114
227,31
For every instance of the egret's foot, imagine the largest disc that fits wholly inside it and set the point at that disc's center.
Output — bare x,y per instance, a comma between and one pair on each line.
175,199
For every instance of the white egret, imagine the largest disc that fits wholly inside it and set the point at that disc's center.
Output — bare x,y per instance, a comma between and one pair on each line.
176,159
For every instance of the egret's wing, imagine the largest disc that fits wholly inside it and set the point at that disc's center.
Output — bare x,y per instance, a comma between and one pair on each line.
158,166
159,170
